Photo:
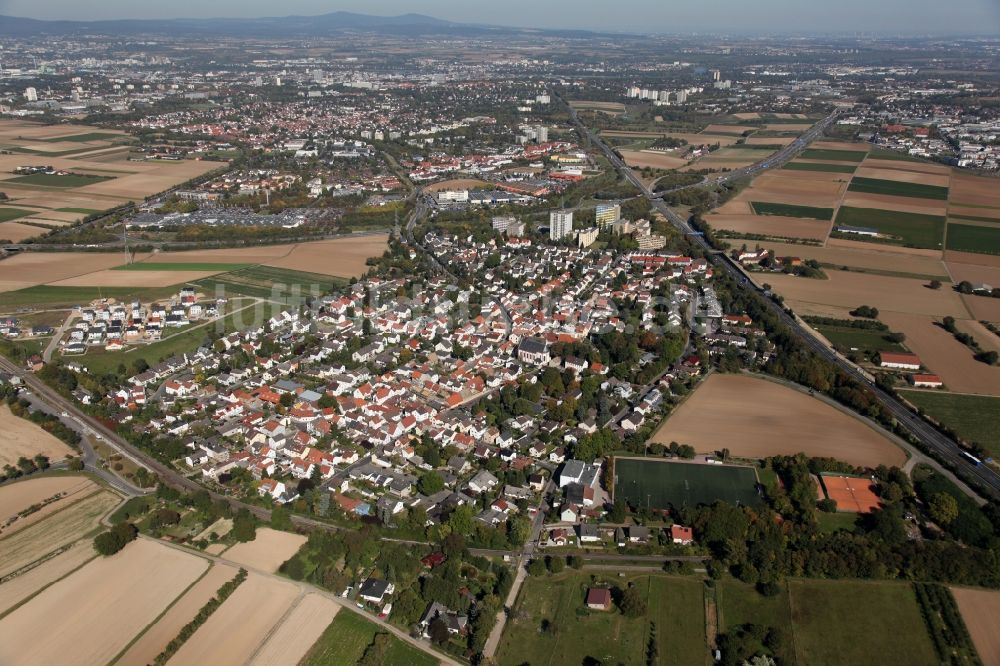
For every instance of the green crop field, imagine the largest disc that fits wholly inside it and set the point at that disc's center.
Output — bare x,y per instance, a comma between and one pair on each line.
661,484
967,238
70,180
89,136
7,214
833,155
85,211
345,640
976,418
883,154
181,267
910,229
898,188
855,622
863,339
817,166
44,295
790,210
573,634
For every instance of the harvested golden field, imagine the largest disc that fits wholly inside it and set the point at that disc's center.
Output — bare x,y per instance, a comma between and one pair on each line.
58,529
16,232
718,164
747,115
968,189
986,338
156,638
849,290
980,610
904,165
457,184
983,308
891,249
18,130
692,138
951,256
19,588
289,642
616,107
902,175
991,213
32,268
233,632
889,202
944,355
756,418
20,437
113,278
863,256
788,187
16,497
652,158
138,186
788,127
973,272
774,226
268,551
95,612
343,257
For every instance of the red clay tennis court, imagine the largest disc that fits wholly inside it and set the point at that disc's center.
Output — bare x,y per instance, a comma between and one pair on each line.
851,494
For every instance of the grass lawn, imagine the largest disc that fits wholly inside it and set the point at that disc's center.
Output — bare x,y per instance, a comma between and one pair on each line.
790,210
815,166
909,229
180,267
967,238
7,213
834,522
345,640
662,484
51,296
833,155
740,603
855,622
898,188
862,339
975,418
70,180
676,605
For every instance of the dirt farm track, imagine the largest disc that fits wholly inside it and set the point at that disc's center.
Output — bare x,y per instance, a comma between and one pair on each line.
757,418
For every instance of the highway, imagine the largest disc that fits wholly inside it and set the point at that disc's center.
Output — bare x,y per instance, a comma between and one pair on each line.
932,441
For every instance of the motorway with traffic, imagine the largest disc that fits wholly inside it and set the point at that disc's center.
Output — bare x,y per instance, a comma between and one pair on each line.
933,441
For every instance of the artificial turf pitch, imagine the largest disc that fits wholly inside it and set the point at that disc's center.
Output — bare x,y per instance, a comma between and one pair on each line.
660,484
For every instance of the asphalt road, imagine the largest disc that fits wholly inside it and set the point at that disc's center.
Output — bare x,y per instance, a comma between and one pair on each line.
930,438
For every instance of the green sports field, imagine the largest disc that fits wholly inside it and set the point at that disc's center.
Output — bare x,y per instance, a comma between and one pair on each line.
791,210
898,188
661,484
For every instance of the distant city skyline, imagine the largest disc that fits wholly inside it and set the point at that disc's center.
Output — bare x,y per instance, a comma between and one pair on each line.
645,16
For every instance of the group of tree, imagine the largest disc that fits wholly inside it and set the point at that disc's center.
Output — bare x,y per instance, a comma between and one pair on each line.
110,542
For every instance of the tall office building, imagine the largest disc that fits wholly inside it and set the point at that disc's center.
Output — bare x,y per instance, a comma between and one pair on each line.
560,224
31,94
682,96
607,214
716,74
633,91
541,133
502,223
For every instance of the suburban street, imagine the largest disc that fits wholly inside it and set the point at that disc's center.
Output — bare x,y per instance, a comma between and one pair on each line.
930,438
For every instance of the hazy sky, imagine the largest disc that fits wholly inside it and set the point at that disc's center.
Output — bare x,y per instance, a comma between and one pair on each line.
911,16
